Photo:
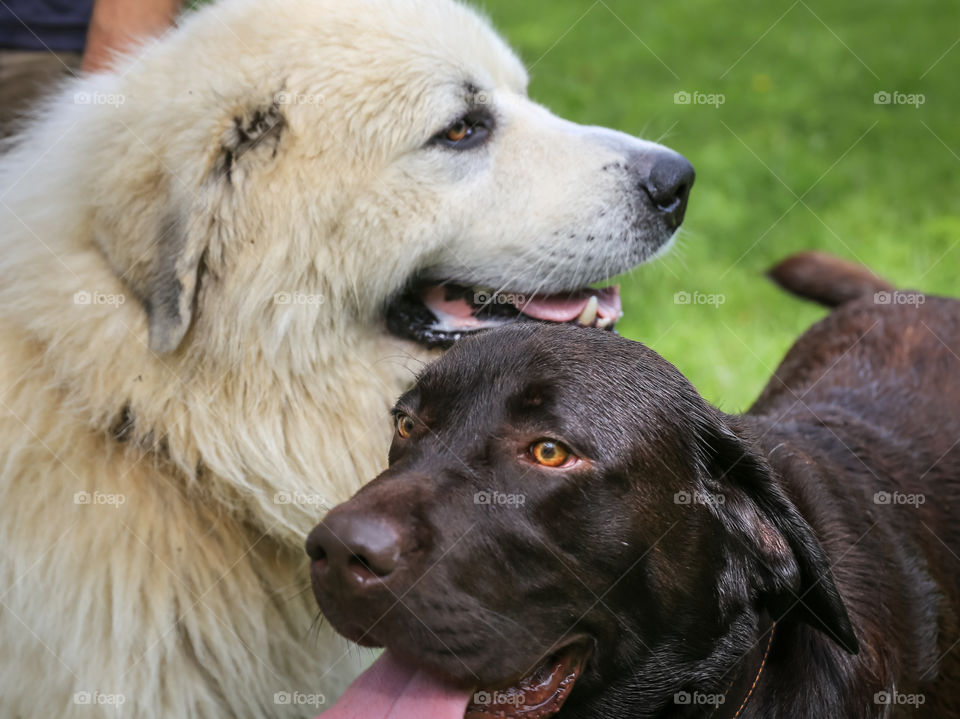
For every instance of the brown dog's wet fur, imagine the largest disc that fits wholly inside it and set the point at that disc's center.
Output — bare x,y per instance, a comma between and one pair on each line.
681,534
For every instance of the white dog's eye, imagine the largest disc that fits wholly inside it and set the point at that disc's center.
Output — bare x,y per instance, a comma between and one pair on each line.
468,132
459,131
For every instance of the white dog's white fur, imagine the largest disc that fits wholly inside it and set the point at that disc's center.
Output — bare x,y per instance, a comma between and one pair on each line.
195,253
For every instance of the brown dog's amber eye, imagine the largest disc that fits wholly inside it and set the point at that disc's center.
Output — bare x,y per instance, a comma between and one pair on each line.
458,131
404,425
550,453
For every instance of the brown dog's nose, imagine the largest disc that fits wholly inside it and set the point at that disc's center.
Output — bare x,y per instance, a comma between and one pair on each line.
356,548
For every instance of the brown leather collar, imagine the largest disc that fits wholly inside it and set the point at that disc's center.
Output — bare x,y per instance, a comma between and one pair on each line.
730,709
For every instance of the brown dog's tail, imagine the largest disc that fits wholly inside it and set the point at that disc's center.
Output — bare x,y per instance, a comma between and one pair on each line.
826,279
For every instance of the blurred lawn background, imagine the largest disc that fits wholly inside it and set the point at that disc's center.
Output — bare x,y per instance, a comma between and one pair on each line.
877,183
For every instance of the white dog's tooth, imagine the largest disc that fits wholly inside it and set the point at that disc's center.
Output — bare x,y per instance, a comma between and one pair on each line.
589,313
604,322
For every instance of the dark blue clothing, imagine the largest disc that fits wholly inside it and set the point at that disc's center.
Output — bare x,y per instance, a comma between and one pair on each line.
40,24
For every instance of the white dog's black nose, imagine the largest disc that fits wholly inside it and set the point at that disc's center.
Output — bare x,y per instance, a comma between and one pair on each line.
668,184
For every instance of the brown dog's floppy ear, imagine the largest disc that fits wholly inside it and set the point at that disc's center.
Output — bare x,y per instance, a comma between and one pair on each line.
759,514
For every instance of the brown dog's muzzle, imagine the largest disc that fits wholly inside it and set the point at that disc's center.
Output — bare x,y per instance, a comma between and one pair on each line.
356,555
363,557
354,549
367,552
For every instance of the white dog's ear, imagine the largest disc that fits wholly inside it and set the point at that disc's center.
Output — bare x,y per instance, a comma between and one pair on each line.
171,285
252,134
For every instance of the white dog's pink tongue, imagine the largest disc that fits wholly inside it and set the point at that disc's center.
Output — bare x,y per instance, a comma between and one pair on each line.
568,307
589,307
392,690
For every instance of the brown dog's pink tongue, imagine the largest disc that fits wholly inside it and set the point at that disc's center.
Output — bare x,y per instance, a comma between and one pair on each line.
392,690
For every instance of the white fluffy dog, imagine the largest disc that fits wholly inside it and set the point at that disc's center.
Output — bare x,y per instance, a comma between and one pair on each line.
220,262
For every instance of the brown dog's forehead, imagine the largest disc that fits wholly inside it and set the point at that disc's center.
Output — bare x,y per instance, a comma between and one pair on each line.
516,369
598,385
536,358
511,356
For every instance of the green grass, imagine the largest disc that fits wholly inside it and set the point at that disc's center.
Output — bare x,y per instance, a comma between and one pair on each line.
799,107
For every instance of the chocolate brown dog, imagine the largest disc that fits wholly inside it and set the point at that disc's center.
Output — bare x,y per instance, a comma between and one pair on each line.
568,529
